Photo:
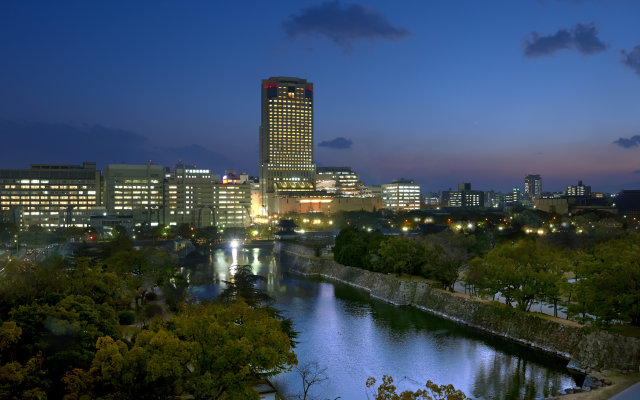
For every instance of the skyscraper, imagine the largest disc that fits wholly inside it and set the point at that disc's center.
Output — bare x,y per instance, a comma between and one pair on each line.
532,186
286,137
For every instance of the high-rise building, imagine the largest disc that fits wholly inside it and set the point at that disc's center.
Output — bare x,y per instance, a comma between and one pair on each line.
189,196
401,195
49,195
532,186
286,137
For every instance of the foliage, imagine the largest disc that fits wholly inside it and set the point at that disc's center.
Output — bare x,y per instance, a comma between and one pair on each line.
19,380
608,285
64,333
210,351
399,255
387,391
60,330
242,287
126,317
520,272
355,248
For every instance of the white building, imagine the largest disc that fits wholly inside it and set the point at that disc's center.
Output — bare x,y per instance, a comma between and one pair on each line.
401,195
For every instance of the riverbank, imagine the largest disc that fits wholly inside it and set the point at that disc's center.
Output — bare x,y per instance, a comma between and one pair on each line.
586,349
619,382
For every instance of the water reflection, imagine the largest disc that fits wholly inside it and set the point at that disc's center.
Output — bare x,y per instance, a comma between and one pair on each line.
356,337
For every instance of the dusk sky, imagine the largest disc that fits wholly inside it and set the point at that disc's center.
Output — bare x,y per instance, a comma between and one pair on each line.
438,91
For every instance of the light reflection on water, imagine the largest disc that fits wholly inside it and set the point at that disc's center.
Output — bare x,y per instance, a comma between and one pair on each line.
356,337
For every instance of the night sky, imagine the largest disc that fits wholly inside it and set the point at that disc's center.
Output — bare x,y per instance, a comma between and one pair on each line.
437,91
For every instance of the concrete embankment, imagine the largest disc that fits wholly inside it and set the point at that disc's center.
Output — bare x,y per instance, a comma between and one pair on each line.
585,348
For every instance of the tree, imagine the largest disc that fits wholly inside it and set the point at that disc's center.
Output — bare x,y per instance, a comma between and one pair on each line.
609,281
355,248
242,285
311,375
400,255
520,272
208,350
387,391
143,270
18,380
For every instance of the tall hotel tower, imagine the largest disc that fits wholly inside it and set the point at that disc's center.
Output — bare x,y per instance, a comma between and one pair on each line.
286,138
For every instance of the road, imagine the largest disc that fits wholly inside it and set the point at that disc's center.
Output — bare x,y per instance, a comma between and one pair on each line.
630,393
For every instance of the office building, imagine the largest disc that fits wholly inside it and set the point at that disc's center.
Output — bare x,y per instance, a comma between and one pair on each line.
463,197
401,195
579,190
512,198
341,181
49,195
286,137
189,196
532,186
232,202
136,190
431,200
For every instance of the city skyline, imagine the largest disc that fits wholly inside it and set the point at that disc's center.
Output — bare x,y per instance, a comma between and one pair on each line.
438,93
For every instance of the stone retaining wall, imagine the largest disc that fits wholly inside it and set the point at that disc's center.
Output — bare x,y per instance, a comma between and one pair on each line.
586,349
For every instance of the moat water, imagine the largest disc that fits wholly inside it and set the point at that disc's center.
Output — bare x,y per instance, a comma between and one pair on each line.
355,337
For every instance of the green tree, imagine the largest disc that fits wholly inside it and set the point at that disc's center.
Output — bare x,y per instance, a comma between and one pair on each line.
355,248
210,351
388,391
242,285
19,380
609,281
520,272
400,255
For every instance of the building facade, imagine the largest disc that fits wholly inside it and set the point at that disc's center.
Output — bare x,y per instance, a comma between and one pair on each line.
50,195
189,196
579,190
401,195
341,181
286,137
463,197
532,186
232,203
136,190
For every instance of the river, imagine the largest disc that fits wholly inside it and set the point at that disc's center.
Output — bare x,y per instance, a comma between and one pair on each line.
356,337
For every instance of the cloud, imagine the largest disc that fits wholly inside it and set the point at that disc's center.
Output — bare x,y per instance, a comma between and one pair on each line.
42,143
344,25
632,59
337,143
628,143
582,37
636,171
